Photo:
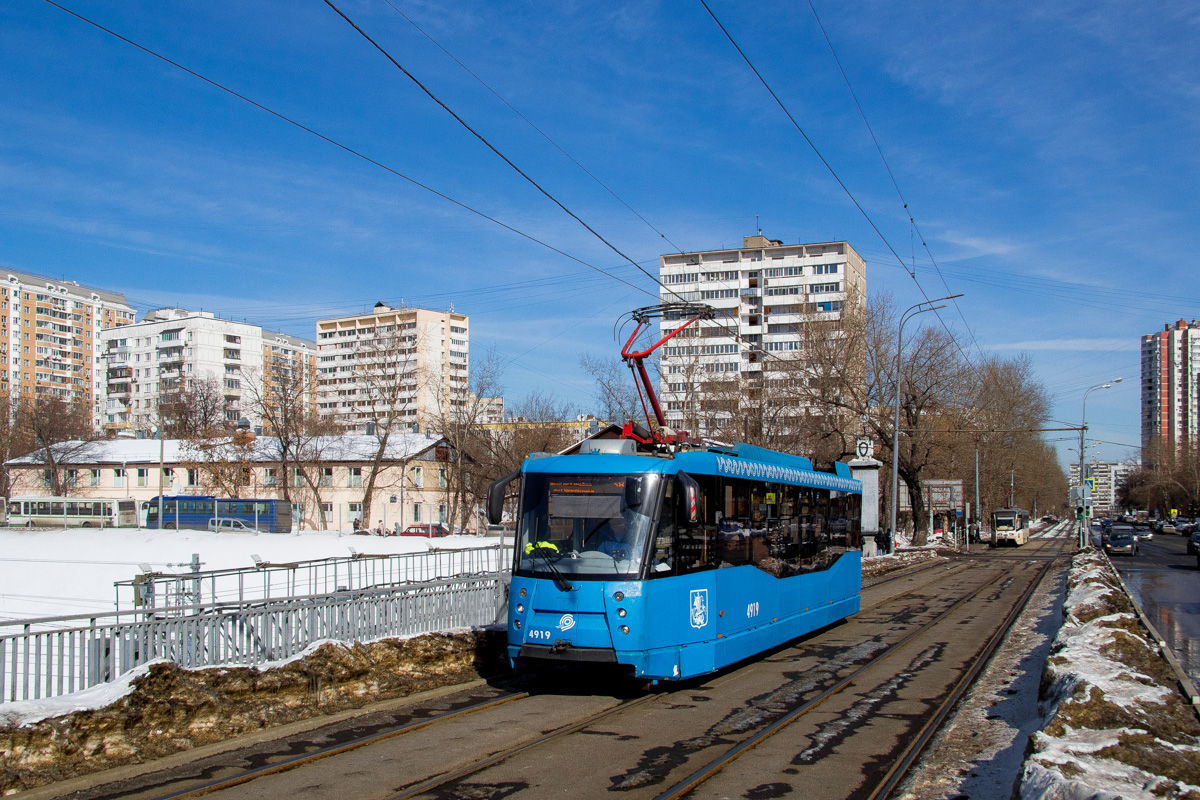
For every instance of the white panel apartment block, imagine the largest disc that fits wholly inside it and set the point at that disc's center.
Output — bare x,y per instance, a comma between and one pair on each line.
762,291
431,352
171,347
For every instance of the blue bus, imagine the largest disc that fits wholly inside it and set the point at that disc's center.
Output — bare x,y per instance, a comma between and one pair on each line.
196,512
669,565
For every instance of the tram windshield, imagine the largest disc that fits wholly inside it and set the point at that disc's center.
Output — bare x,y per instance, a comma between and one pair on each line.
585,527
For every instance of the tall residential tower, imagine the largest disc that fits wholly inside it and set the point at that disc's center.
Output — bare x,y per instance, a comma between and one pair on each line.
1171,386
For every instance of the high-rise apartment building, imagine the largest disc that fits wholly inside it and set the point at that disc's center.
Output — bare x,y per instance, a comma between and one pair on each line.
50,337
1108,475
289,373
170,349
763,292
1171,386
404,365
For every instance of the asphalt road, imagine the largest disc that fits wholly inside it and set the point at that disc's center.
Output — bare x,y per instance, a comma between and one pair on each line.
1166,582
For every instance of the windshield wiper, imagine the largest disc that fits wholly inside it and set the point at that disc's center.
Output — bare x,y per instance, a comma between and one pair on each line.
559,581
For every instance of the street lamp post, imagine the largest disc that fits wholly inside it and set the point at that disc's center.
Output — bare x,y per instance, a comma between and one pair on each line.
909,313
1083,528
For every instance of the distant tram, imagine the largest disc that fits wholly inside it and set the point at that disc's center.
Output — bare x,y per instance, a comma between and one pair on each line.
1010,526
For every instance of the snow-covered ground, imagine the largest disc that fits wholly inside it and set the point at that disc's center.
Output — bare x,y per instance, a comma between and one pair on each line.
56,572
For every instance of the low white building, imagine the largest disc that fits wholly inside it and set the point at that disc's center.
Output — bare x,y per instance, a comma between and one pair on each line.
412,484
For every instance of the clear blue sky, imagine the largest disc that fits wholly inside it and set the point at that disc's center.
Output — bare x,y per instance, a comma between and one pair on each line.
1046,151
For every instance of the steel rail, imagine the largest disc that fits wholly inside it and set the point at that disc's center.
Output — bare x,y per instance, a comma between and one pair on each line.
338,749
478,766
706,772
917,745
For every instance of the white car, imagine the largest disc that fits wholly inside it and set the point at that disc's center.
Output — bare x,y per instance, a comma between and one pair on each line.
229,525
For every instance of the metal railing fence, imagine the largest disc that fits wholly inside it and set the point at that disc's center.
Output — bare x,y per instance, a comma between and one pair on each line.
53,656
167,593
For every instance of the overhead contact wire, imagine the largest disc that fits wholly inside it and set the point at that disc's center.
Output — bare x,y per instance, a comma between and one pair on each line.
349,149
888,168
492,147
531,124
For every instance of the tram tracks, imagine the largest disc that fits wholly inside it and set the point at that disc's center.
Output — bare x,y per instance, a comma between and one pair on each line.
928,582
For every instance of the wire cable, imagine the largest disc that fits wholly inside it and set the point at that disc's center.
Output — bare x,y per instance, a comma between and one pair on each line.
492,147
530,123
347,148
888,168
833,172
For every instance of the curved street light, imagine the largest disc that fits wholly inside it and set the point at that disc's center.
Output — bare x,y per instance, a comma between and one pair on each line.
1082,451
909,313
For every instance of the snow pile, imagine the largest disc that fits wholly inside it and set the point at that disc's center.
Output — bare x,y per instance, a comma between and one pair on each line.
874,566
162,708
1119,727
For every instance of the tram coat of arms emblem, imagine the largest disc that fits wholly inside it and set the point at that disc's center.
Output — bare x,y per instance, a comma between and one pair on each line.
698,608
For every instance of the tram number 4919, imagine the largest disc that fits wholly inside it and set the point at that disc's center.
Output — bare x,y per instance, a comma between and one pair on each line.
752,610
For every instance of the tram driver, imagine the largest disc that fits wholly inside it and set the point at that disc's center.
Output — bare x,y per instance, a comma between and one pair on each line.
614,539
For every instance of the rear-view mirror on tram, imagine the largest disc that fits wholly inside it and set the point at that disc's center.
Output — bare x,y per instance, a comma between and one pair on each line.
495,497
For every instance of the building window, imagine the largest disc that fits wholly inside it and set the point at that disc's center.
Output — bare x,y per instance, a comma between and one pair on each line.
47,478
818,288
193,477
95,481
416,512
442,512
268,476
168,477
141,476
71,477
354,510
355,477
417,477
825,269
442,477
298,477
326,513
118,477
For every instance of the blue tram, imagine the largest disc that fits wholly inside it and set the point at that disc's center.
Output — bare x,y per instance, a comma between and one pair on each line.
670,565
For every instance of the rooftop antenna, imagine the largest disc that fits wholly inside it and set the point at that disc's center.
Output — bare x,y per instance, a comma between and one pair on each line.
757,226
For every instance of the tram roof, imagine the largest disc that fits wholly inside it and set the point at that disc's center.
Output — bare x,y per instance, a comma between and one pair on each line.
739,461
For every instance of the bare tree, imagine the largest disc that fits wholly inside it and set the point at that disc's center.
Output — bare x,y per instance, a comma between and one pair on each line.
616,393
55,433
192,410
461,412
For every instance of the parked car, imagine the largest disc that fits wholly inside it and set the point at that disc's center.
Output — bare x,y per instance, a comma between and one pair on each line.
1121,542
1193,545
428,530
229,525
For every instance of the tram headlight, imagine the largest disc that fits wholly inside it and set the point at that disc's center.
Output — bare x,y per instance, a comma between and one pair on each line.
619,596
624,629
517,624
620,612
520,608
522,592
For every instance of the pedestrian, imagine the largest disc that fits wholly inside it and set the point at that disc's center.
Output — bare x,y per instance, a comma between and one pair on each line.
380,530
